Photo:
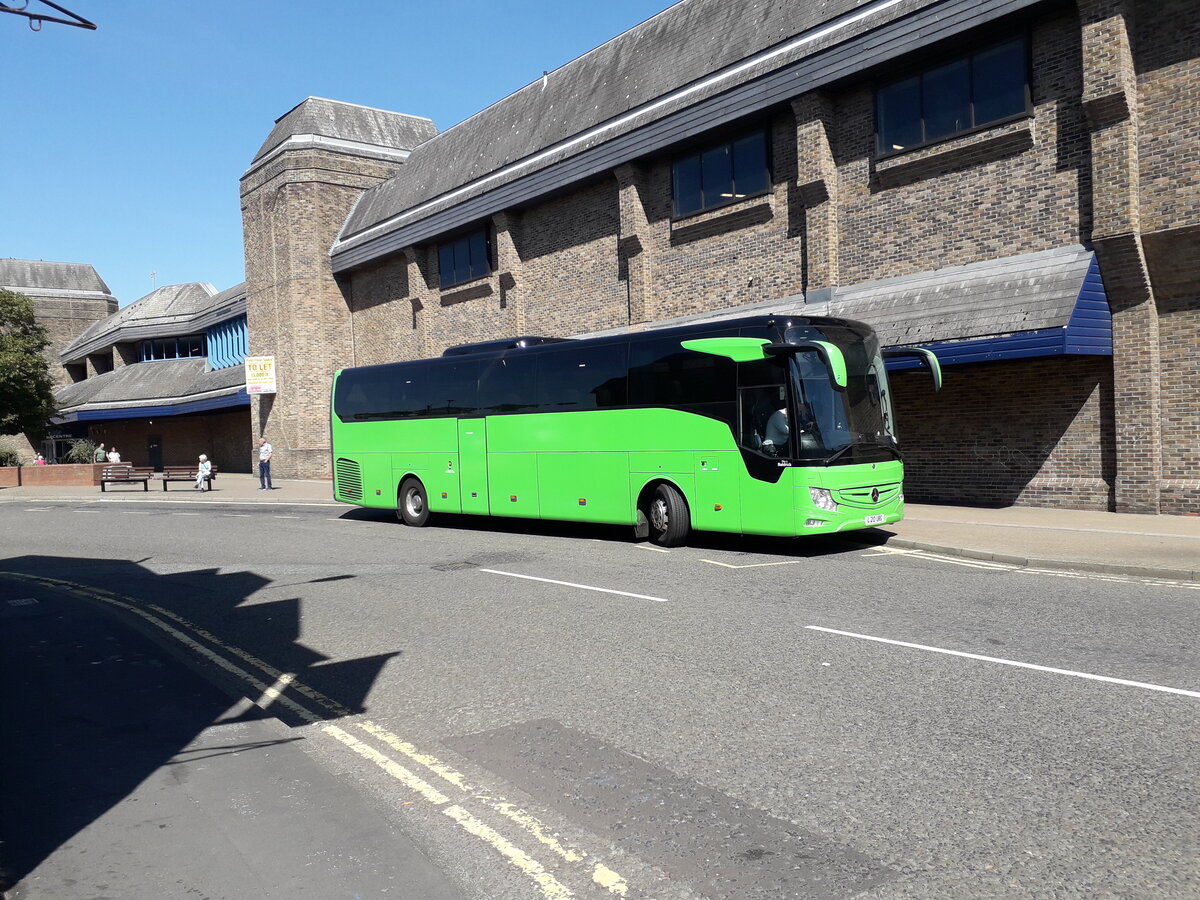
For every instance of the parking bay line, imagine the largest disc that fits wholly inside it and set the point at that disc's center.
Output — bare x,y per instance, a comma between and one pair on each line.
585,587
1009,662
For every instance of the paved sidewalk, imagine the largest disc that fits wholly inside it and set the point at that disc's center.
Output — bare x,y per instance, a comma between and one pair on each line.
1079,540
227,486
1072,539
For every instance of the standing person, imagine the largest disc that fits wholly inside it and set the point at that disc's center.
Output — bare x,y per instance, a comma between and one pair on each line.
203,473
39,460
99,456
265,452
114,456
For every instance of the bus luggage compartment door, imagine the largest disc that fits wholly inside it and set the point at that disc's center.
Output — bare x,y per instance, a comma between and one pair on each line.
472,465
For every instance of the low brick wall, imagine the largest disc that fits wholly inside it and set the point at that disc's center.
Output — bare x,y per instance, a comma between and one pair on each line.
64,476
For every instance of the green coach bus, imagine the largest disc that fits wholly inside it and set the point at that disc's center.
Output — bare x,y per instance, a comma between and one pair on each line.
761,425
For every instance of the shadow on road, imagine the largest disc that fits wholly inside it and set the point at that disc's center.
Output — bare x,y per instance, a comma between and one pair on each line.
95,699
792,548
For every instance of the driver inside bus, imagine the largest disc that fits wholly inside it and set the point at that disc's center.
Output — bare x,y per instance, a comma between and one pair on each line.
778,430
775,440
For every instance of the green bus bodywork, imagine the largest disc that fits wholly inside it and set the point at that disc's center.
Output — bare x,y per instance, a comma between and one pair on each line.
606,465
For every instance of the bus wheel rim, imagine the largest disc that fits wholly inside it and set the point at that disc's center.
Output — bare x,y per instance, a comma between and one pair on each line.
658,515
413,502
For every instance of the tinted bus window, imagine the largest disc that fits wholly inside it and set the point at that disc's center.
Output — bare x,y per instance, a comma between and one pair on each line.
582,378
662,373
379,392
507,385
453,388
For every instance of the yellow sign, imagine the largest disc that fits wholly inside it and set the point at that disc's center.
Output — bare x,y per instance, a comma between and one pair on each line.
260,374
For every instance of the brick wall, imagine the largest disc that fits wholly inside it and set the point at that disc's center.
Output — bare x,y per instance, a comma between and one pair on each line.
1034,432
292,209
64,319
220,435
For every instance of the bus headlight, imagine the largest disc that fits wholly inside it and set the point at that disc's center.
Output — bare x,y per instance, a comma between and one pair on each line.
822,499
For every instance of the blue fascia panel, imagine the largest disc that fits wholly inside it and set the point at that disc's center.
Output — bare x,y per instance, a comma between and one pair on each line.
227,343
241,398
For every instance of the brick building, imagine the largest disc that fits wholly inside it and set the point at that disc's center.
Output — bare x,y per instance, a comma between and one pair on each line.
1015,183
162,380
67,298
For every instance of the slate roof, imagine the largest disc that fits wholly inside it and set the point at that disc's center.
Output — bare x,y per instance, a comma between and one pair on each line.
157,383
676,49
998,297
348,122
41,278
170,311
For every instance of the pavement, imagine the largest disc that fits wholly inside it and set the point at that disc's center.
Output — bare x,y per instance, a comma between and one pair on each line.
1166,547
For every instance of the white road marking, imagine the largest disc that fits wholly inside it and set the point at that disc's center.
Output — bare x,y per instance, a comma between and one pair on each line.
1030,570
1009,662
786,562
585,587
651,547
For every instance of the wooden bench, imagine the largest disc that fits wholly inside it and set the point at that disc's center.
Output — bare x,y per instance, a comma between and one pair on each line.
186,473
123,474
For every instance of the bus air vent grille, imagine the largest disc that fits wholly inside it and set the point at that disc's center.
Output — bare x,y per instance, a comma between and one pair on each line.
349,479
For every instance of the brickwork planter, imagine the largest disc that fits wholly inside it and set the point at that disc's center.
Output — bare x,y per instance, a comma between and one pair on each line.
63,476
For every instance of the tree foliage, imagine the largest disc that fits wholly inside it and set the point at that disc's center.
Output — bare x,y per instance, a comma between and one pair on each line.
26,388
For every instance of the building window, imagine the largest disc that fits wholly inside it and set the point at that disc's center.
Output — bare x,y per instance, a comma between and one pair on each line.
172,348
721,175
985,88
465,259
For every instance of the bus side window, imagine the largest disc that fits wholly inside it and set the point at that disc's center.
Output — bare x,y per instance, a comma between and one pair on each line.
577,379
454,388
506,385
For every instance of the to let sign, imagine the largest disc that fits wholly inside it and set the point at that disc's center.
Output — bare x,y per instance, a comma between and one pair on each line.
260,374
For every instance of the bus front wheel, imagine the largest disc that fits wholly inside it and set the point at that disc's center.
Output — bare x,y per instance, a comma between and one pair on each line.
413,505
668,517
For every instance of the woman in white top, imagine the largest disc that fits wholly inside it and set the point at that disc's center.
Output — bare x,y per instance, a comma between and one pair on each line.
113,456
202,473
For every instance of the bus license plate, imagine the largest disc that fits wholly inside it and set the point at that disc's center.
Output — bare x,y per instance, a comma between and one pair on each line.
875,520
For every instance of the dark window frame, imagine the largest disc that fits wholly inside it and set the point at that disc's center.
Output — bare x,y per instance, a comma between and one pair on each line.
932,65
728,142
188,346
462,271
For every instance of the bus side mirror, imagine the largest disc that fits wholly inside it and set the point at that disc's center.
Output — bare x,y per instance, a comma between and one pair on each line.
835,362
926,357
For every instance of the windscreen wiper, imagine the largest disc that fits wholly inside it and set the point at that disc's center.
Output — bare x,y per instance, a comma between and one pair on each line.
865,445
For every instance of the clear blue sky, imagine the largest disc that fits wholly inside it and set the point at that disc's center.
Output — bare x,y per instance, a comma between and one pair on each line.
123,146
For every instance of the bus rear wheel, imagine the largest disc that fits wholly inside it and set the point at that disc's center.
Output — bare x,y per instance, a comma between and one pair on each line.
668,516
412,504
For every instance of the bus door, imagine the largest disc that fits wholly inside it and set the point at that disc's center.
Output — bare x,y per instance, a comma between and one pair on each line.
472,464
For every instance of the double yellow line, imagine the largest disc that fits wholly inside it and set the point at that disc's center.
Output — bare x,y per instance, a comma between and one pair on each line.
451,796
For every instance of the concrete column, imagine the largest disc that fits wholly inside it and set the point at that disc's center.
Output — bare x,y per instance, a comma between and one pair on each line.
817,181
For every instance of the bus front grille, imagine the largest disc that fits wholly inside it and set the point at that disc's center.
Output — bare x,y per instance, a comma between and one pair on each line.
867,496
349,479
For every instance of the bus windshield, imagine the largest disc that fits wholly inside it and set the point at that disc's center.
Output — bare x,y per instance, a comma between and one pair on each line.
791,410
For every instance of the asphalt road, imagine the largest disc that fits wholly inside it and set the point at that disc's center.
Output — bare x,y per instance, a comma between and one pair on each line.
527,710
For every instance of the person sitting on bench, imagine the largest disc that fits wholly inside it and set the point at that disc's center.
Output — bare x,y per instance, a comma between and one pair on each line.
203,473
